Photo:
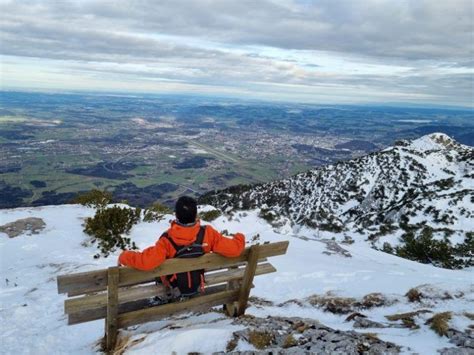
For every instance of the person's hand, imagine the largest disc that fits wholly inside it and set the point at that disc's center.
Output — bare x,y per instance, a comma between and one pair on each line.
118,263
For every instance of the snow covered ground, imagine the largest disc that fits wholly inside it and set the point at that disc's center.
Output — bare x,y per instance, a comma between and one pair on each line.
32,320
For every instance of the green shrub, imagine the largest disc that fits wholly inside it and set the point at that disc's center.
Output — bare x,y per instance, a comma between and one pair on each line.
267,214
466,249
209,216
156,212
445,184
331,227
94,198
387,248
384,229
427,250
108,226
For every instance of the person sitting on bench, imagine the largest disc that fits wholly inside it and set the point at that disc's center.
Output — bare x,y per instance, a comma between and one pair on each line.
186,238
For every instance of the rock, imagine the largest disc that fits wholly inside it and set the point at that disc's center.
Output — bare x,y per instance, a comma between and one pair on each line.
310,337
354,316
461,339
30,225
455,351
366,323
333,248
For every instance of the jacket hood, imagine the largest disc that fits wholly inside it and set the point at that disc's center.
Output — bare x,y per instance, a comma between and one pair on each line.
183,235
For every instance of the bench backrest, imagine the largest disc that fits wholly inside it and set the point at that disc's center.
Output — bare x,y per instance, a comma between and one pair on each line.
128,289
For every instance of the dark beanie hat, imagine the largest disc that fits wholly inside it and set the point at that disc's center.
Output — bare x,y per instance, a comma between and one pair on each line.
186,210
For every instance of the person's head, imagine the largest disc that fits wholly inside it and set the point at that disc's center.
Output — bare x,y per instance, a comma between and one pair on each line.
186,210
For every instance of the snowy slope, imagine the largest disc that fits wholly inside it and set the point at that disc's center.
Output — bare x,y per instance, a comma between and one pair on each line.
32,320
404,180
428,182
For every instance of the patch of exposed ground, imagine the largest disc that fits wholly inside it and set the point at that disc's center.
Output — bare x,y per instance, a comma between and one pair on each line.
332,248
344,305
30,225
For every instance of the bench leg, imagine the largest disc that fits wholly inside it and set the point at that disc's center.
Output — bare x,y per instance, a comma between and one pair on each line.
112,308
247,280
230,309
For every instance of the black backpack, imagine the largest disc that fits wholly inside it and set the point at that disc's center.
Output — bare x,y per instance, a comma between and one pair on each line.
191,282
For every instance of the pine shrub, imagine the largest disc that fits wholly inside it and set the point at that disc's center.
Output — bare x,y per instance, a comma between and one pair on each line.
427,250
387,248
108,227
156,212
267,214
209,216
94,198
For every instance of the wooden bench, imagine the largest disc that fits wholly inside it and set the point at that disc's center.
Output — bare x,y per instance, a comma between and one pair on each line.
121,294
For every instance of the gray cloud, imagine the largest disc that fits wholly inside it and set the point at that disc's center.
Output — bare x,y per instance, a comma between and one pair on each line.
217,42
422,29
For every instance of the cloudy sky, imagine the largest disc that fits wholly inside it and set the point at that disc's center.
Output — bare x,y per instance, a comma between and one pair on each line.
326,51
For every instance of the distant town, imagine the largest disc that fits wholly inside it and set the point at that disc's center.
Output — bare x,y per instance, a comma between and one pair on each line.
154,148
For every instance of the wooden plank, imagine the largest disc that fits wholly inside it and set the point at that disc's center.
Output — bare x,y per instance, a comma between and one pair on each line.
130,276
94,314
96,278
243,263
112,307
231,308
159,312
236,274
99,301
248,279
94,281
95,306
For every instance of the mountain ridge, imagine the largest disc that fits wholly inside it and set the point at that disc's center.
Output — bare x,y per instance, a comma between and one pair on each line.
427,183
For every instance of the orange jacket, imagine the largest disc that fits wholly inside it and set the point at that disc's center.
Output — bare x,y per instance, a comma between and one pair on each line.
153,256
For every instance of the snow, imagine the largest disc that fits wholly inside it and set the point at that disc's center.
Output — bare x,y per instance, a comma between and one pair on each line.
430,142
32,319
191,337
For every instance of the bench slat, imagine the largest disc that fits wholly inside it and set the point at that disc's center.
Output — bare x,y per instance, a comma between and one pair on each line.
88,315
98,303
131,276
94,281
243,263
156,313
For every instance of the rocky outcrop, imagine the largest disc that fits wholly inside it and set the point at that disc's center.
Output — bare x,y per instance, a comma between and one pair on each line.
31,225
294,335
463,340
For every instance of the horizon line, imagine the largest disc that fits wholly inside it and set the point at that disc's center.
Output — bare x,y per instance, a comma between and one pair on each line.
388,104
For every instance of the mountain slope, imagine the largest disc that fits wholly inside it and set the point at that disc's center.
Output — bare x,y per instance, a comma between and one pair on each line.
313,281
426,184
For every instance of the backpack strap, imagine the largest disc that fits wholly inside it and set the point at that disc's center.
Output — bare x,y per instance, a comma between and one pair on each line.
175,246
200,236
199,239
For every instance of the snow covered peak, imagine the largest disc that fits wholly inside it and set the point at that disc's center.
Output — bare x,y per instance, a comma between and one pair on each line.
426,183
433,141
